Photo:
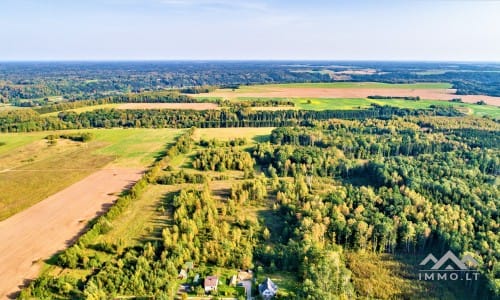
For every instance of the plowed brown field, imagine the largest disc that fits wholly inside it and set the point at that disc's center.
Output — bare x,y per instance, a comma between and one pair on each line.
51,225
295,92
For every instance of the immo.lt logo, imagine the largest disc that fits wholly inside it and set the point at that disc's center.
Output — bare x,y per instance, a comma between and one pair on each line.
448,267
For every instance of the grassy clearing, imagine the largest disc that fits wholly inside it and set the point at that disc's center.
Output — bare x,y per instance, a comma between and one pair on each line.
85,109
325,103
287,282
11,141
384,276
255,134
137,223
135,147
375,277
484,110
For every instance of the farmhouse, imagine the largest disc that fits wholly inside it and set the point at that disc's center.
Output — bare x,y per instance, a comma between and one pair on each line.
211,283
268,289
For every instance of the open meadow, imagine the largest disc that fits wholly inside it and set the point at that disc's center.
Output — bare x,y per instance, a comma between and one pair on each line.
31,168
225,134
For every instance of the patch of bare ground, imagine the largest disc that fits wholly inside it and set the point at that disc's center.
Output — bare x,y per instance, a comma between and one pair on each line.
53,224
431,94
193,106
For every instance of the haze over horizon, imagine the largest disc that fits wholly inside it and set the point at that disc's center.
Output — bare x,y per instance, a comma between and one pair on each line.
388,30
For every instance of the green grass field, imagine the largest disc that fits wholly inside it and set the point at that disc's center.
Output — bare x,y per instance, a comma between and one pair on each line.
356,103
10,141
134,147
140,219
31,169
86,108
326,103
250,133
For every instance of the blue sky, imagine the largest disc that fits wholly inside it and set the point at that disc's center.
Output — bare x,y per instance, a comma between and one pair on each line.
263,29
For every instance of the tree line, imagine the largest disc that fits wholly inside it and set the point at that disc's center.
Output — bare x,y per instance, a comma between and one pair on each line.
28,120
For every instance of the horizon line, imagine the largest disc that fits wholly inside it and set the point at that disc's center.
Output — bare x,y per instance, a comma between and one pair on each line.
242,60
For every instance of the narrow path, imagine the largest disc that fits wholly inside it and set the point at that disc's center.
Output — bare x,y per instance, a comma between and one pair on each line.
51,225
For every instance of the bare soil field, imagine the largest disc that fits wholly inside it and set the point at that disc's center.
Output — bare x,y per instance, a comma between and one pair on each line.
193,106
51,225
294,92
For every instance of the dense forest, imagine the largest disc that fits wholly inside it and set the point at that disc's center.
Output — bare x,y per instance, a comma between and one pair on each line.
28,120
405,186
80,81
32,84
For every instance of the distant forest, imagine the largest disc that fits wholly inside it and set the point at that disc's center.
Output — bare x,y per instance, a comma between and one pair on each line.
32,84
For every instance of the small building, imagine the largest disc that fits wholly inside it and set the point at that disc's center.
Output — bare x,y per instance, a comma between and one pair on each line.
182,274
233,281
211,283
268,289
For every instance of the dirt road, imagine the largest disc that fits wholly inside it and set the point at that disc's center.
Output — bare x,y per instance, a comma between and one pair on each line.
51,225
